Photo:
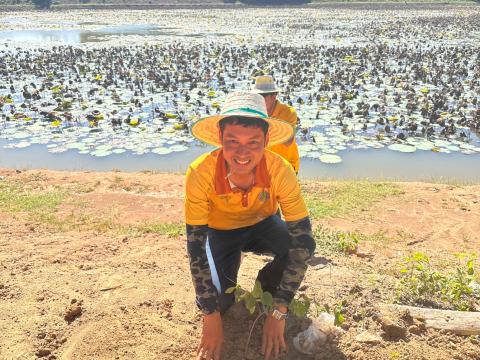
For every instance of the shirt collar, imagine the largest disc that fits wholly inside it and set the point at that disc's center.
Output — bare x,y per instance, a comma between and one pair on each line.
222,184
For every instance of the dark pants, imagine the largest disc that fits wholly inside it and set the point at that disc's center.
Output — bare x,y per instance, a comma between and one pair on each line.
224,248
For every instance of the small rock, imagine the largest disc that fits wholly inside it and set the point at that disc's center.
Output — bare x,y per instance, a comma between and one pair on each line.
72,313
413,329
303,288
43,352
356,289
362,254
41,335
366,337
393,329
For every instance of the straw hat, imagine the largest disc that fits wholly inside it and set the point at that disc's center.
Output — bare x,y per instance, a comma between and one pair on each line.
244,104
265,84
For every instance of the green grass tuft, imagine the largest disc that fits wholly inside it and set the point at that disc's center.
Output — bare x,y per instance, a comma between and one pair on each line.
347,197
343,242
16,197
176,229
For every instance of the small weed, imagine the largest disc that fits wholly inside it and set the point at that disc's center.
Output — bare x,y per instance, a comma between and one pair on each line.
337,311
118,184
348,242
420,284
331,242
404,236
394,355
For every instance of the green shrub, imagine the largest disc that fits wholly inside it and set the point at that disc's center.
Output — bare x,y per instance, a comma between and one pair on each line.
421,284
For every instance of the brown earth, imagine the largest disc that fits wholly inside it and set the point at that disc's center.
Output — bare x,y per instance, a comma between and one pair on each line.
86,282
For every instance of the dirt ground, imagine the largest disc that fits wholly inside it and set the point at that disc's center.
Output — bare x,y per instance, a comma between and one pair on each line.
113,290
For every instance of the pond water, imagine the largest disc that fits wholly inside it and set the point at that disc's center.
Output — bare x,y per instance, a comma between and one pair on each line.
376,98
357,164
75,36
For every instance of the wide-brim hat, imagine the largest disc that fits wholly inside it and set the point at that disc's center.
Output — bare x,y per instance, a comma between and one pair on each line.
247,105
265,84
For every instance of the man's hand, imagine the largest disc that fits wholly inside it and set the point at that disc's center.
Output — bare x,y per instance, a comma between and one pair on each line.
273,339
210,347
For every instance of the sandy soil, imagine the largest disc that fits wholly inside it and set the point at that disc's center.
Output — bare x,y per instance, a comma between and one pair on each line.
70,290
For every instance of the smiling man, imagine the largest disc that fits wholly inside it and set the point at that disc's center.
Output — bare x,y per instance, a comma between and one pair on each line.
231,198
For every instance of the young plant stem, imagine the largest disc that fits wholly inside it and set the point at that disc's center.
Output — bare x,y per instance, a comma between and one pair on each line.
250,334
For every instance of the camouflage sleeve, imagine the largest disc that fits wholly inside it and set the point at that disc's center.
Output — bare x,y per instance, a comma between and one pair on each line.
199,268
303,246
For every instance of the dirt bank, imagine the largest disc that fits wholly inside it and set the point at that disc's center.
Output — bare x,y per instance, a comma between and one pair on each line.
93,266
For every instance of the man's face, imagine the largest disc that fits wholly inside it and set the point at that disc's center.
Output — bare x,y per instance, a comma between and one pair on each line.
270,100
243,147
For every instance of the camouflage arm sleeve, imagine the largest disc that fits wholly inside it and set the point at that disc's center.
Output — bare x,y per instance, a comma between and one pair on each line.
302,248
201,275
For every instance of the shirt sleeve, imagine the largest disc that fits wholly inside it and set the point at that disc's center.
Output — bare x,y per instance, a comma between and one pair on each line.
293,118
196,198
289,196
205,291
302,248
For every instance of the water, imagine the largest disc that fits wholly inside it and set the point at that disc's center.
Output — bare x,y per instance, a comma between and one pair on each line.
80,36
357,164
73,36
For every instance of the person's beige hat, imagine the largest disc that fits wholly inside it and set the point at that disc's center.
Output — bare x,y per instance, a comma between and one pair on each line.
243,104
265,84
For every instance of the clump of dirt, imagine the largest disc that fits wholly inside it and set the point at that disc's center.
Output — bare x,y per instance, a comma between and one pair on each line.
73,311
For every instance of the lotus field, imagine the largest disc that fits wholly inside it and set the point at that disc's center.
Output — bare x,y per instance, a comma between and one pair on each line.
100,83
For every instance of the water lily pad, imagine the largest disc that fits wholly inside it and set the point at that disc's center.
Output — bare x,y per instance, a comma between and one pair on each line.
402,148
101,153
75,145
22,144
179,148
162,151
118,151
330,159
57,149
425,145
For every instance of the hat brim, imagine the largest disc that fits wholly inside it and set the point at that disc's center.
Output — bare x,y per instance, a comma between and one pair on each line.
258,91
207,129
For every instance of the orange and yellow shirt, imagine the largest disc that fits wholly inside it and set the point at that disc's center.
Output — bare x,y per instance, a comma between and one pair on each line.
289,152
210,199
